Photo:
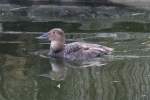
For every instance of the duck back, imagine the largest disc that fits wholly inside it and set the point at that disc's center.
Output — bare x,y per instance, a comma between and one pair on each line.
84,51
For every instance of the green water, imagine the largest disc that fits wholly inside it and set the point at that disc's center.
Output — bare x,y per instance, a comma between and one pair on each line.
28,75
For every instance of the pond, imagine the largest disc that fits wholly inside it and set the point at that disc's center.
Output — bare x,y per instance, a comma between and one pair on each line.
26,74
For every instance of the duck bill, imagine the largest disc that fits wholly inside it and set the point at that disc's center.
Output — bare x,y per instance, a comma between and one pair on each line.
44,36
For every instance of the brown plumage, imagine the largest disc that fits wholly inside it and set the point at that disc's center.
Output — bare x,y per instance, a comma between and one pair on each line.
75,50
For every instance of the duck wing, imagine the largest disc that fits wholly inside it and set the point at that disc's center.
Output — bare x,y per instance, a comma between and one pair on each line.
72,47
96,48
85,51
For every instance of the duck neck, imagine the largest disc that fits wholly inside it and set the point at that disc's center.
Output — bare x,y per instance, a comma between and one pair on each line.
56,46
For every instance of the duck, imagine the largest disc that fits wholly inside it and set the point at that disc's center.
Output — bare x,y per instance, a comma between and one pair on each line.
74,50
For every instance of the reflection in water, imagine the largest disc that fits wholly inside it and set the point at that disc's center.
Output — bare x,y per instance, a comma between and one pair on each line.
58,70
124,75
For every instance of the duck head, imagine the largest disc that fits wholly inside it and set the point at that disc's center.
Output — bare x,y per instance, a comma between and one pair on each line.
57,38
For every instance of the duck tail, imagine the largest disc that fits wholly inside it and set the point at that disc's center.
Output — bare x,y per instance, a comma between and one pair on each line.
108,50
104,50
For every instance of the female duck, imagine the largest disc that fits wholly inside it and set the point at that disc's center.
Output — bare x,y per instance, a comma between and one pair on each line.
75,50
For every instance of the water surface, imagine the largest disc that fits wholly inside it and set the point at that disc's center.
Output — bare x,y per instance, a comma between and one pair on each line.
27,74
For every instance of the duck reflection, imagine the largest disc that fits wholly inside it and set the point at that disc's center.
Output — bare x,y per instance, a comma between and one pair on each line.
58,70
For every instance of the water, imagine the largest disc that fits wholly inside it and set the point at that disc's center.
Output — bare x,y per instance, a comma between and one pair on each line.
27,74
